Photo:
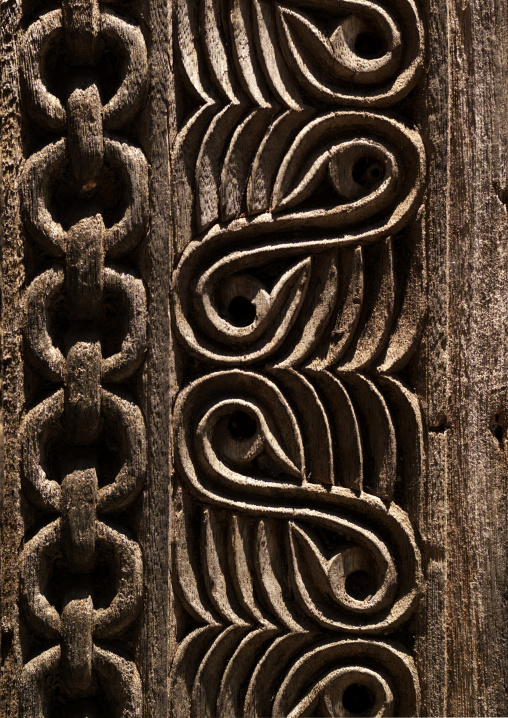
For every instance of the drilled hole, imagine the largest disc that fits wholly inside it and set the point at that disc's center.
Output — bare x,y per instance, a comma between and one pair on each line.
360,585
241,312
368,172
370,46
498,424
241,426
357,699
497,431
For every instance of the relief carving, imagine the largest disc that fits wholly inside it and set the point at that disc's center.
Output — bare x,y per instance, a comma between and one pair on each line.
299,276
296,300
83,447
253,419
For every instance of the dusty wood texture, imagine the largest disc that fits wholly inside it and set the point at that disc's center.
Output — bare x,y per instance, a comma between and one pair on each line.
431,371
12,368
477,539
462,370
153,647
253,358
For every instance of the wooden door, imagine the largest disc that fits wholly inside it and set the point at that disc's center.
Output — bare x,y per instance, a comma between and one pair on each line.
253,358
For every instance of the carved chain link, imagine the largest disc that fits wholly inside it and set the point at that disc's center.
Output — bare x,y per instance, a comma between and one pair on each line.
63,433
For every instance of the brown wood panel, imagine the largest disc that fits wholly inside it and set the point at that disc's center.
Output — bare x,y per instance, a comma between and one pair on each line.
253,349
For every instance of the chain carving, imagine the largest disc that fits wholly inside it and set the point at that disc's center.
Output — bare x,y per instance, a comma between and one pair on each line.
297,302
83,445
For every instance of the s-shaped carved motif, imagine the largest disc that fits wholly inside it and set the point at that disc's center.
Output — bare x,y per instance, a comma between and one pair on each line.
295,193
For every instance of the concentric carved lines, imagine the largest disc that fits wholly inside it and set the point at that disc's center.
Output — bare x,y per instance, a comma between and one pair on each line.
253,73
83,444
297,296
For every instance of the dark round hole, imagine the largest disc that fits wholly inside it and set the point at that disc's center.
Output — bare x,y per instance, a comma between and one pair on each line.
241,426
370,46
360,585
368,172
357,699
241,312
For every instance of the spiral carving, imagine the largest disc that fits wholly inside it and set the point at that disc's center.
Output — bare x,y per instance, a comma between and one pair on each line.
297,300
83,443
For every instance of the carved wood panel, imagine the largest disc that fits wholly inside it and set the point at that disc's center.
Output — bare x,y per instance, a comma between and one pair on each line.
297,303
238,477
83,193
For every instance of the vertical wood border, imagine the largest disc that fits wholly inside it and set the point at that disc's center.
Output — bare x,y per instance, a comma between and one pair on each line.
477,545
12,366
156,519
463,368
429,511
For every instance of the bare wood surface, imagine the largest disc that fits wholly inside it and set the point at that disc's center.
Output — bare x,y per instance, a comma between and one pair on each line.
462,367
155,636
431,370
477,545
12,371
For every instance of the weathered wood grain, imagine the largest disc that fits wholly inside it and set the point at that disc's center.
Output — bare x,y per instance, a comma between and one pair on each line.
461,372
12,368
477,546
155,637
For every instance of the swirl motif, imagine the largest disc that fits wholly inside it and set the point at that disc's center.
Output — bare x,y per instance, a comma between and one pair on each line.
295,194
255,72
219,266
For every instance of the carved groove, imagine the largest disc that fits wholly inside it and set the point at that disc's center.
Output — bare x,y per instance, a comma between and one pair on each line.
296,193
83,444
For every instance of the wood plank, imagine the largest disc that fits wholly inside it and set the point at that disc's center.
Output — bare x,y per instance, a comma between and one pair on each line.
477,268
12,369
155,635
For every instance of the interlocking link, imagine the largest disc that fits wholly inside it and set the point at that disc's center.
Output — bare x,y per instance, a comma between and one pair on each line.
85,138
46,419
79,511
46,548
62,436
82,395
38,179
49,358
77,644
81,22
84,268
46,107
112,669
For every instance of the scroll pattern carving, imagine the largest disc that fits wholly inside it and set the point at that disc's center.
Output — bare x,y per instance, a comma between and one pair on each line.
83,453
297,298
